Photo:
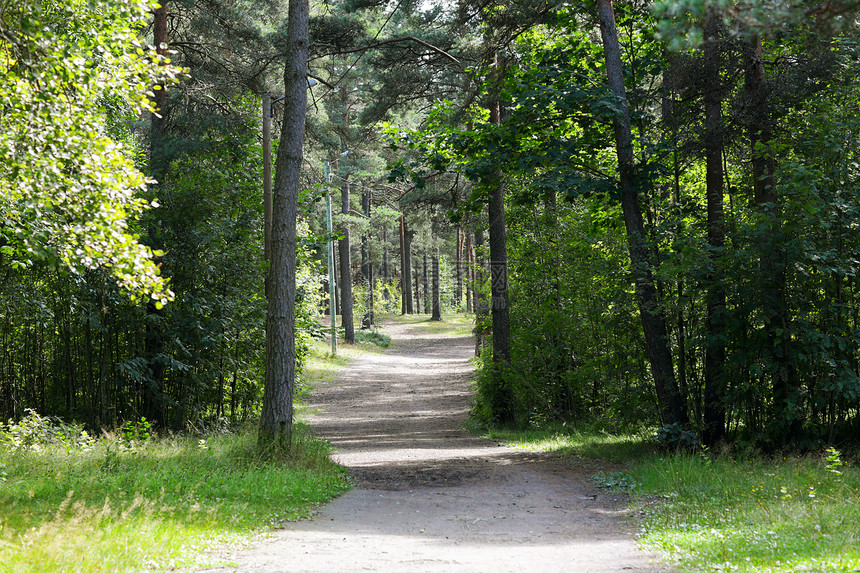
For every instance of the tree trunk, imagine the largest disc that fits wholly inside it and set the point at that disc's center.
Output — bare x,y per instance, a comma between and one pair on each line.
346,270
403,305
406,253
714,411
157,160
653,324
786,424
417,285
470,272
425,279
154,337
277,411
437,295
367,265
482,308
386,277
458,271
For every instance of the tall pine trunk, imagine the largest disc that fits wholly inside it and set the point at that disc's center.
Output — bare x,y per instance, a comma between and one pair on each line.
346,269
425,281
406,257
367,264
502,400
154,336
671,408
786,423
437,293
714,411
277,412
482,308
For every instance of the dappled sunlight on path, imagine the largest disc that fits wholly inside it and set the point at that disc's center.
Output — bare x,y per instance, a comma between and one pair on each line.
429,496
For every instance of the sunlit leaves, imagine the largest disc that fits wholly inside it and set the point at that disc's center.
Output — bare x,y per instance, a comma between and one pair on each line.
68,192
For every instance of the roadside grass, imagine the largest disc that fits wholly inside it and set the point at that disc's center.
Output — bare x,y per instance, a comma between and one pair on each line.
589,442
751,515
132,502
320,366
726,513
460,324
152,504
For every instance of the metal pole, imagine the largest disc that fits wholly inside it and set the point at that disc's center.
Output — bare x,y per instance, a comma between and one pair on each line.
331,285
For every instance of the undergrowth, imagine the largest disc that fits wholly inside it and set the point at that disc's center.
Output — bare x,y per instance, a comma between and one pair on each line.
742,513
129,501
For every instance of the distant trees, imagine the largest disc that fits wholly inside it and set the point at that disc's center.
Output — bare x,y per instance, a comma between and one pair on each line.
669,194
694,136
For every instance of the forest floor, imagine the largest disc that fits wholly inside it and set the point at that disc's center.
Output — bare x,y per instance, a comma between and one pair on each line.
430,496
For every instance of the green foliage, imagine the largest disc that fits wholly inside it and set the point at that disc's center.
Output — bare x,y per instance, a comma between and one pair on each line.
69,191
750,514
834,461
675,437
161,504
135,431
614,481
372,337
34,431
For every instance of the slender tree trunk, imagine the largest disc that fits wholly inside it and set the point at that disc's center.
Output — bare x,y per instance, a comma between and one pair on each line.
425,279
403,305
157,160
343,246
417,285
470,272
406,281
386,277
714,411
786,424
482,307
502,400
437,295
367,265
158,165
458,271
654,327
277,411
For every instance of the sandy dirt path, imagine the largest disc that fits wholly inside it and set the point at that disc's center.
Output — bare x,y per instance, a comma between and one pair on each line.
431,497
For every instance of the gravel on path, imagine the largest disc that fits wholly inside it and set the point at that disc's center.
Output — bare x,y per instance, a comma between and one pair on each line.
429,496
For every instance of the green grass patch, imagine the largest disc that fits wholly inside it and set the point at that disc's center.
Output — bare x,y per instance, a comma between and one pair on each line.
151,505
589,442
729,513
321,366
751,515
460,324
372,338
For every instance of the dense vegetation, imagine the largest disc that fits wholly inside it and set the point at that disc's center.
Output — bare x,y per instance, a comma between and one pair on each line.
650,207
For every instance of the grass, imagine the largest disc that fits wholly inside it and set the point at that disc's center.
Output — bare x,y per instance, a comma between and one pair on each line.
589,442
126,504
745,514
321,366
453,325
788,514
151,505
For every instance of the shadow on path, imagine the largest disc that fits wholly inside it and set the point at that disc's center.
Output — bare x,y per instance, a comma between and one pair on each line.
428,495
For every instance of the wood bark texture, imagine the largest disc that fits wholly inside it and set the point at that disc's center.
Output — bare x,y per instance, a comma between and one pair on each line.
653,323
277,413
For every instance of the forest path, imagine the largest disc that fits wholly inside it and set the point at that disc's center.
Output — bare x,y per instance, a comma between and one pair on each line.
428,495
